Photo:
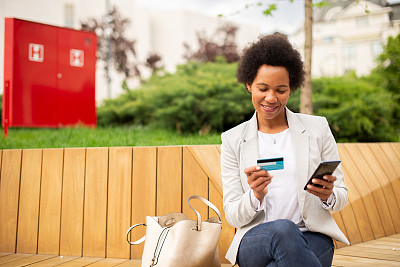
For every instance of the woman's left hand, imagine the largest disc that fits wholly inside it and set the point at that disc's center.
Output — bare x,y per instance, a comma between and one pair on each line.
326,190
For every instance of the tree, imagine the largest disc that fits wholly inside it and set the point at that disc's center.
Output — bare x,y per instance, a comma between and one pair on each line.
153,62
117,49
306,91
222,43
387,73
110,30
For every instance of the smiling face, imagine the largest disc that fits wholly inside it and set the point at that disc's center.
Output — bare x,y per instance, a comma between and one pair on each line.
270,92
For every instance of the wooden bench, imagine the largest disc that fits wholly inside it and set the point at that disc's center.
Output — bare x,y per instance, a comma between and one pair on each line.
79,202
380,252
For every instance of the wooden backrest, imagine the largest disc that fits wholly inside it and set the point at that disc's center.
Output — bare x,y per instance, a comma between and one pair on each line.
372,175
81,201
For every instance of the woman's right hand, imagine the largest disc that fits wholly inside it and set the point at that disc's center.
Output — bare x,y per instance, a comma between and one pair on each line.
258,180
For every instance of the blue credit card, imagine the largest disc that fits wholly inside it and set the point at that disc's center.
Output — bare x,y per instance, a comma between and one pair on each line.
270,164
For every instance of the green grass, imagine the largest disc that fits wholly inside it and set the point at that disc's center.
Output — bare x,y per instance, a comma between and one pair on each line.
100,137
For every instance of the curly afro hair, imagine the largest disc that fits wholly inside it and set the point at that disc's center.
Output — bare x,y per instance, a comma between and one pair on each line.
274,50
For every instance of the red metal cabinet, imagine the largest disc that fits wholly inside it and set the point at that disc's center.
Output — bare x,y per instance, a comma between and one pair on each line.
49,75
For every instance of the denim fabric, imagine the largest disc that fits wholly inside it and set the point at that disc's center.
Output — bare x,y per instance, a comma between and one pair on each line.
281,243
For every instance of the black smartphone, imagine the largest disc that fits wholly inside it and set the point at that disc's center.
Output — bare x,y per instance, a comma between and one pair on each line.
324,168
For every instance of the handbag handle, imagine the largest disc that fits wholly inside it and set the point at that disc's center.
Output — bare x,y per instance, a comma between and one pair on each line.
208,203
137,242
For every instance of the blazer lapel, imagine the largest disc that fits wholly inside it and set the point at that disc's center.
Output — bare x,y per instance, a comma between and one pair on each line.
300,143
249,145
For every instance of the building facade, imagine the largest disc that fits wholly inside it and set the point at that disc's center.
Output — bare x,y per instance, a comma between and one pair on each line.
348,36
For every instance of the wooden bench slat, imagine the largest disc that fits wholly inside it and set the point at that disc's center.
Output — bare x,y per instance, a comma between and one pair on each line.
28,217
95,210
13,257
397,236
337,216
131,263
34,258
208,157
341,260
376,249
369,255
393,152
194,182
390,242
382,246
354,214
9,193
143,192
54,261
50,202
108,262
1,160
169,180
227,231
72,202
82,261
119,201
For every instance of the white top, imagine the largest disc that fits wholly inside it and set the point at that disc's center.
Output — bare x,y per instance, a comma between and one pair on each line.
281,201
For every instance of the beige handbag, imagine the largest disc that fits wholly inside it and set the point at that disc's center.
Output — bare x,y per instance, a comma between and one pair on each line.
173,240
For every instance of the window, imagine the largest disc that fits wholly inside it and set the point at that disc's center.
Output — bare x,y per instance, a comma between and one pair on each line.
349,57
327,39
377,49
362,21
69,15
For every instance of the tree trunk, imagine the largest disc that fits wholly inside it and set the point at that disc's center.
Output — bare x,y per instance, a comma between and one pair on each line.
306,91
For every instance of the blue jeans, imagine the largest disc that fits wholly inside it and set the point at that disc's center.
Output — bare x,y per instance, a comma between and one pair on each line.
281,243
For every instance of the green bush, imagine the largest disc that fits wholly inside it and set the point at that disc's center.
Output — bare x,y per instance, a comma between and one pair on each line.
357,111
206,97
387,74
198,97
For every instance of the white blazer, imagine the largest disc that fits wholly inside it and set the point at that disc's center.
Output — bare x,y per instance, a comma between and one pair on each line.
312,142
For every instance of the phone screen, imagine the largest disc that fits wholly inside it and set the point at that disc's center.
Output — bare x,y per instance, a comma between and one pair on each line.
324,168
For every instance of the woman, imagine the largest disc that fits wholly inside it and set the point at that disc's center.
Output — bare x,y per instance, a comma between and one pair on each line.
279,223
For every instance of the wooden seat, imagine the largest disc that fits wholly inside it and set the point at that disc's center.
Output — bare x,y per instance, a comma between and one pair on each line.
383,251
79,202
380,252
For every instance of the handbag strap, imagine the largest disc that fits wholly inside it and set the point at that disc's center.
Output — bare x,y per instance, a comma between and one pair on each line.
137,242
208,203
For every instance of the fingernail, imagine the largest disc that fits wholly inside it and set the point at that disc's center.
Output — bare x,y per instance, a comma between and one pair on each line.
258,168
